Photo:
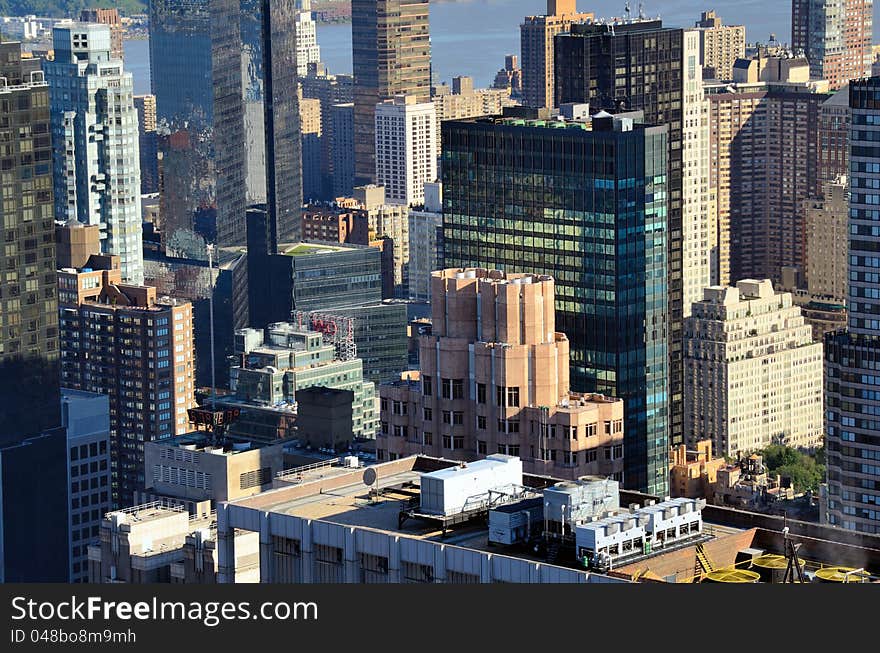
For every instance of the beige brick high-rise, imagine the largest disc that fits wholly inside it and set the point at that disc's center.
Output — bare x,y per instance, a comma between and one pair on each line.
753,375
720,45
536,47
494,378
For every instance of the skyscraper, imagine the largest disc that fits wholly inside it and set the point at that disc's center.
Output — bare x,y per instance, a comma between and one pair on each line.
123,341
852,357
406,149
391,55
109,17
753,373
588,207
835,36
307,49
257,125
33,470
536,47
223,73
720,45
641,65
182,81
96,151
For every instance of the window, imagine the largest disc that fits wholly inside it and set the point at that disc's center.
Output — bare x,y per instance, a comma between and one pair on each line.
446,388
383,404
499,395
607,450
481,393
428,438
398,407
457,418
513,397
590,456
427,414
481,422
447,417
385,428
573,432
590,430
617,452
569,457
447,442
457,388
426,386
458,442
481,446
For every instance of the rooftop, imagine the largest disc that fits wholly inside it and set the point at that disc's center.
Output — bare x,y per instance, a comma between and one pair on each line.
339,495
201,442
309,249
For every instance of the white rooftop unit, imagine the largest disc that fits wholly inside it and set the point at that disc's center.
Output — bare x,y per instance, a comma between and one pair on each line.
460,488
683,516
513,523
616,536
575,501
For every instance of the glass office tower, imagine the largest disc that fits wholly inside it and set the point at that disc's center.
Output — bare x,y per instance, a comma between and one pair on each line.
638,65
224,76
589,207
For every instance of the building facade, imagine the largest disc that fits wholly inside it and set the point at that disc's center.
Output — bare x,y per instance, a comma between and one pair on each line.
109,17
86,416
148,140
180,31
753,373
307,48
520,194
391,55
425,243
536,48
406,149
764,131
587,69
827,268
835,36
123,341
494,379
720,45
336,152
97,180
31,437
853,356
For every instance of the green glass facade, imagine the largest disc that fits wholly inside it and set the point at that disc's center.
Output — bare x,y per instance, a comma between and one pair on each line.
589,208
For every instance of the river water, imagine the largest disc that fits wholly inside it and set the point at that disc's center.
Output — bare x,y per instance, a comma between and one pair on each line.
471,37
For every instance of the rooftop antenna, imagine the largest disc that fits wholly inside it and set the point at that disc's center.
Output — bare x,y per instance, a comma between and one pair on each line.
641,11
627,11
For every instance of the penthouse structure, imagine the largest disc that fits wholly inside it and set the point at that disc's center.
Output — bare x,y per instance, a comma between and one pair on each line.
494,379
753,372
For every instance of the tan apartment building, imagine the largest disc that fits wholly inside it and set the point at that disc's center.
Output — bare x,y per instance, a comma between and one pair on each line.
494,378
465,101
753,375
764,145
111,18
536,48
827,264
720,45
123,341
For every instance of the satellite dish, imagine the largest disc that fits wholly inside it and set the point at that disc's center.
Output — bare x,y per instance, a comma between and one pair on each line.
369,476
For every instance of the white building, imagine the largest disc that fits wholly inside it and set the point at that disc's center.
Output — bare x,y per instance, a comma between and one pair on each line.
753,375
406,148
425,243
307,49
699,226
96,152
86,416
